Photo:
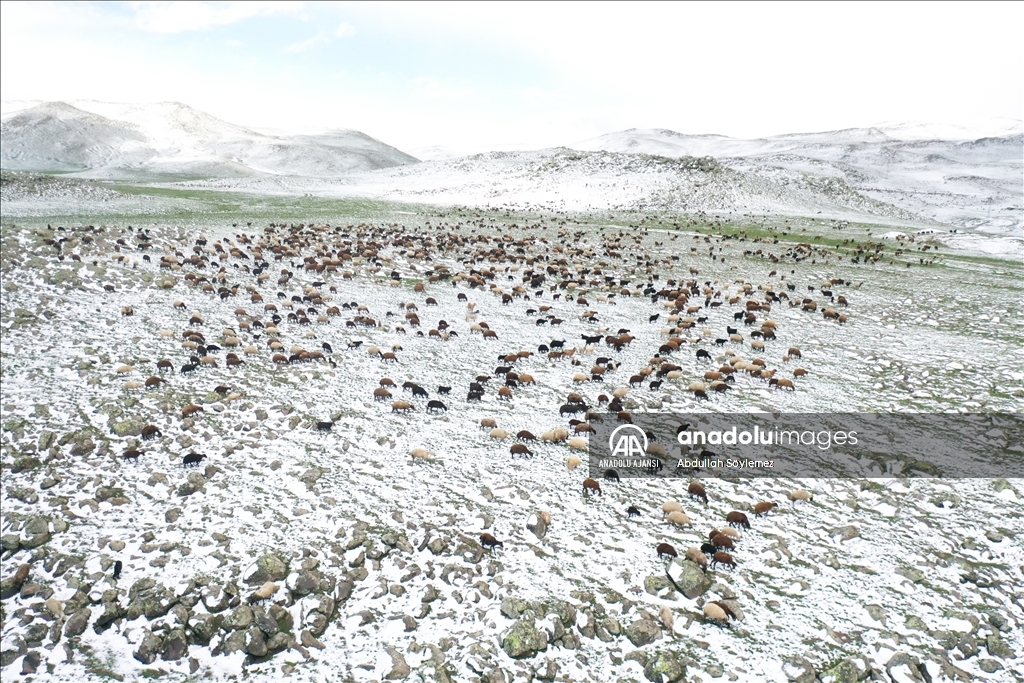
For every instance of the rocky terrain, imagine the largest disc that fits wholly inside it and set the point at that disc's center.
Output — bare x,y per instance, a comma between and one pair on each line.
296,552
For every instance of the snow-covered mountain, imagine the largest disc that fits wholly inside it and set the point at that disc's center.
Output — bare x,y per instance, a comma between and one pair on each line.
111,140
937,172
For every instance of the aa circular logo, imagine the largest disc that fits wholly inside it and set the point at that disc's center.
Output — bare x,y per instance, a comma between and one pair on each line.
628,441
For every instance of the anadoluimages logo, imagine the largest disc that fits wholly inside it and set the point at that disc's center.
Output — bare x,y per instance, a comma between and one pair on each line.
628,441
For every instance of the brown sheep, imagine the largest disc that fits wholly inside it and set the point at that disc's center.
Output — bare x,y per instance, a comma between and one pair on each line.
524,435
763,508
696,490
387,382
381,394
723,558
191,410
799,372
666,550
736,518
782,383
164,364
720,540
591,486
401,407
153,382
490,542
520,449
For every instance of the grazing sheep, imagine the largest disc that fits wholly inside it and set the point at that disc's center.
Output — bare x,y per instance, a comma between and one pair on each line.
264,592
191,410
381,394
557,434
192,460
679,518
720,540
591,486
763,508
723,558
420,453
490,542
716,614
150,432
124,369
697,557
152,382
324,426
707,548
520,449
671,506
800,495
401,407
632,511
524,435
736,518
666,550
131,386
499,434
729,531
782,384
436,406
579,443
696,490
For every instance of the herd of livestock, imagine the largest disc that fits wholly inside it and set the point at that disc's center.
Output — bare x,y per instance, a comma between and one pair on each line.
292,277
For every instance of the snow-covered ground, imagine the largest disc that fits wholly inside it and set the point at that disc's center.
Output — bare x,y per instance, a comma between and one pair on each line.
887,579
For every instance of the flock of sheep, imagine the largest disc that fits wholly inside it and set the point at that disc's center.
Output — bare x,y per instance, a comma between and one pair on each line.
563,272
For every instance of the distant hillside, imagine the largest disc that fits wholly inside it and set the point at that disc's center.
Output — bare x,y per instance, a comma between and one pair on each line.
169,138
937,172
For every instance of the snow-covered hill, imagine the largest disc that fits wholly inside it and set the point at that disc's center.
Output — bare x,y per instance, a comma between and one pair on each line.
945,173
128,141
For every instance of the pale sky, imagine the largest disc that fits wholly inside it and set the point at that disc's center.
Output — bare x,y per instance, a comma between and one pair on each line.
476,76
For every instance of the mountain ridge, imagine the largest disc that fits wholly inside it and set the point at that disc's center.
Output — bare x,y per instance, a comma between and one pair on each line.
173,138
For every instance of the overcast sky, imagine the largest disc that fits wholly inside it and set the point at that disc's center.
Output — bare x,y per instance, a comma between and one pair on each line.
476,76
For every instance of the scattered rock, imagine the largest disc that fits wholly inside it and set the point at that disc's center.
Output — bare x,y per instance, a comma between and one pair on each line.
30,664
688,578
269,567
664,667
643,632
524,639
149,648
400,669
